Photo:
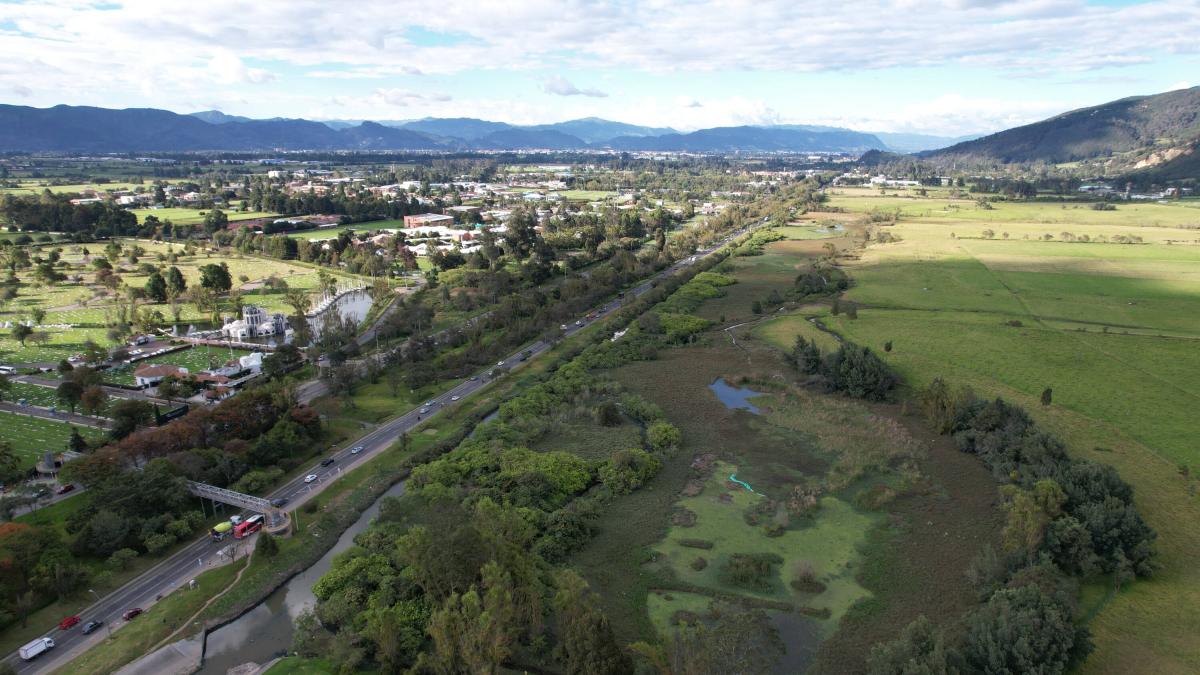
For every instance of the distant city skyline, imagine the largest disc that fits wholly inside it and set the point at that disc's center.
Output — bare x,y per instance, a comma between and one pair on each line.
946,67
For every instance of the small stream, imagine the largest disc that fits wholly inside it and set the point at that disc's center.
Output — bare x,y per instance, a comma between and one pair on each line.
262,633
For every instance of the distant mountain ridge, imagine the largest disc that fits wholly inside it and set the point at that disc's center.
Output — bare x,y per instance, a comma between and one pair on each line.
1136,126
88,129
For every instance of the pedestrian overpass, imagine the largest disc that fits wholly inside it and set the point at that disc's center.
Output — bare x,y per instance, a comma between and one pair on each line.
277,519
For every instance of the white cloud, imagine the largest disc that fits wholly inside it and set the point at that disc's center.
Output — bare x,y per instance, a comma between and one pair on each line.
295,57
226,68
560,86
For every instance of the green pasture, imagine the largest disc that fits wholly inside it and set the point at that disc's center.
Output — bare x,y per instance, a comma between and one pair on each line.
1111,328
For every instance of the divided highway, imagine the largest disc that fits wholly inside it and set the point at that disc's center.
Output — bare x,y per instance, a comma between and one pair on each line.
202,554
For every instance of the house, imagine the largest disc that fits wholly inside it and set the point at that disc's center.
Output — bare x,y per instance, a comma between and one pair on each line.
428,219
255,322
150,375
252,362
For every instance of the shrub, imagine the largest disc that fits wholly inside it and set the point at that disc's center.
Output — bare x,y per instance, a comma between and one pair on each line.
696,543
663,436
750,570
627,470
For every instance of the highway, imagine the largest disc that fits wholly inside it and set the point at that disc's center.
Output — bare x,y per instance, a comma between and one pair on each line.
202,554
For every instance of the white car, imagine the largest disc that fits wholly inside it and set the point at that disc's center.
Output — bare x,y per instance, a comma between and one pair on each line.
356,449
455,398
429,403
424,411
499,363
563,327
310,478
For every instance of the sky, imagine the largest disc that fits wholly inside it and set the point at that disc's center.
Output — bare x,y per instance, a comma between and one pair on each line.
946,67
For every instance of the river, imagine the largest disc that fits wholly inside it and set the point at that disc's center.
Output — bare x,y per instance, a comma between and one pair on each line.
262,633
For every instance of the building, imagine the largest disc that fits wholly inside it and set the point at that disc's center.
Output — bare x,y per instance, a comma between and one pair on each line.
428,219
148,376
255,322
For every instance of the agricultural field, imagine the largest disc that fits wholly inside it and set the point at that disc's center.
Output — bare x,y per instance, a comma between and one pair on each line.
31,187
32,436
982,297
185,216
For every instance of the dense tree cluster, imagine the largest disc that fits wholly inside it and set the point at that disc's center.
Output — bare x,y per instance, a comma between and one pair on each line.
51,212
851,369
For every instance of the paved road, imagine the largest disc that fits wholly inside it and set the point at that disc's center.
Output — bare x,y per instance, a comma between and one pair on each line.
199,555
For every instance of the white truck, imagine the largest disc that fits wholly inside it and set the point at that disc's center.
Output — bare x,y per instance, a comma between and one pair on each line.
34,649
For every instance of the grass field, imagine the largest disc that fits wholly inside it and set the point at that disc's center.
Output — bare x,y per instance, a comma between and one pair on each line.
184,216
33,187
586,195
32,436
195,360
1111,328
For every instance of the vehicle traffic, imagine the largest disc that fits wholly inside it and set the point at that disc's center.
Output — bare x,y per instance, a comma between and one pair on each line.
248,527
356,449
310,478
32,650
91,626
131,613
327,461
68,622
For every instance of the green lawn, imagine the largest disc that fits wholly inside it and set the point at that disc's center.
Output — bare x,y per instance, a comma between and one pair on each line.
196,359
185,216
32,436
586,195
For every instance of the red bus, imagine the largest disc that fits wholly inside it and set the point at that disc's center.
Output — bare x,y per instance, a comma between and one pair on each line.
248,527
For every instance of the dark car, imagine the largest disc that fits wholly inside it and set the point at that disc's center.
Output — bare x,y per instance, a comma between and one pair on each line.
91,626
66,488
131,613
327,461
279,501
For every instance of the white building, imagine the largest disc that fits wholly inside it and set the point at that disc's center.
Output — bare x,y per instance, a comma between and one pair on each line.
255,322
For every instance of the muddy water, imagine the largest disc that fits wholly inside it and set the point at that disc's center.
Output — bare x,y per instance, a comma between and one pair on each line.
262,633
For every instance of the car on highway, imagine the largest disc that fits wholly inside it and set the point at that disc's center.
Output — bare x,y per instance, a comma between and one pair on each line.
356,449
91,626
499,364
131,613
474,378
327,461
310,478
430,403
579,323
65,489
563,327
279,501
424,411
455,398
68,622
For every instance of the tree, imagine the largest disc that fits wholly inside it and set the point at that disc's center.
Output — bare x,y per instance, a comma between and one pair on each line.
5,386
1047,396
93,399
21,333
156,287
128,415
69,393
175,281
77,443
215,220
920,650
216,278
38,314
756,307
266,546
586,645
1023,630
608,415
9,463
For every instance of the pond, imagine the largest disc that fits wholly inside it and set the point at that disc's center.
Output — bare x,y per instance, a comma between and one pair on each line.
735,398
262,633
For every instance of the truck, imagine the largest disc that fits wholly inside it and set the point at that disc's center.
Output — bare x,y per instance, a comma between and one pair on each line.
221,530
35,648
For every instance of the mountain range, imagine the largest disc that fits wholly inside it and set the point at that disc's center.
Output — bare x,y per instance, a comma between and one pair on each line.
1136,133
102,130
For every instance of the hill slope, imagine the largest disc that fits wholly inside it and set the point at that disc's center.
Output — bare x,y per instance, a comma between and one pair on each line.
1133,125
